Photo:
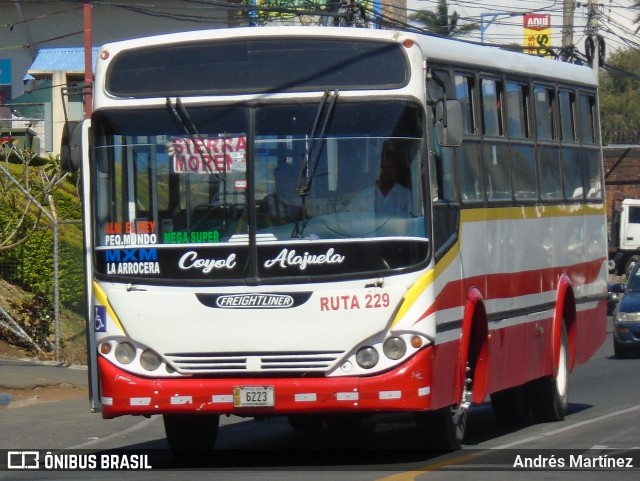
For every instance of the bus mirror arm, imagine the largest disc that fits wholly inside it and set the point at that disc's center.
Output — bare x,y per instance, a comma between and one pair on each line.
449,122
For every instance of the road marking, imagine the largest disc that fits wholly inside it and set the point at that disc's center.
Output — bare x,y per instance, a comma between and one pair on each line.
119,434
412,475
566,428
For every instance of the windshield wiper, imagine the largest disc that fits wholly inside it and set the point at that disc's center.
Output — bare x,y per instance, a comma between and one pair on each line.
314,148
312,153
184,120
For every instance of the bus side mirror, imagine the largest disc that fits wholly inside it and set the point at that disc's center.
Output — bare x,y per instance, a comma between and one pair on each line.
449,123
71,148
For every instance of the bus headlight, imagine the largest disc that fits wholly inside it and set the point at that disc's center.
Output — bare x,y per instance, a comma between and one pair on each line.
150,360
394,348
367,357
125,353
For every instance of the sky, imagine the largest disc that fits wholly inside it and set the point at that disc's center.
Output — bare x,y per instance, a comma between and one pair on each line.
616,19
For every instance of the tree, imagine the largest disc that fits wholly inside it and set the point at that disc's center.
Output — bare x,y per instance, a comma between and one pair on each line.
441,23
26,182
620,97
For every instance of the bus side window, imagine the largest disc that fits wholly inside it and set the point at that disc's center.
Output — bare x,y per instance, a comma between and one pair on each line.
495,153
465,86
491,102
593,173
572,174
523,162
590,156
587,131
469,171
550,173
543,101
497,180
566,104
517,103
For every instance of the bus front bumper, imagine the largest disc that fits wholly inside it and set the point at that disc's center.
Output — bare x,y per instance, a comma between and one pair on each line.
406,388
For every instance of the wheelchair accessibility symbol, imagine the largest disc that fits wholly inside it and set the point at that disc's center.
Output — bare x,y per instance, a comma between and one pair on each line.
100,318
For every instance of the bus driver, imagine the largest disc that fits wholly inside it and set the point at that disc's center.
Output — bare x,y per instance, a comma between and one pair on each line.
388,195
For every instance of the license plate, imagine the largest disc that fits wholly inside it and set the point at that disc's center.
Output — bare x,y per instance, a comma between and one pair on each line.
253,396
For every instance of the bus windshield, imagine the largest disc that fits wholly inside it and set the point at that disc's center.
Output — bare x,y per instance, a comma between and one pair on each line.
284,172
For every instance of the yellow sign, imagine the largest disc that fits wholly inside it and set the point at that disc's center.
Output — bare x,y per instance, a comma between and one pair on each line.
537,34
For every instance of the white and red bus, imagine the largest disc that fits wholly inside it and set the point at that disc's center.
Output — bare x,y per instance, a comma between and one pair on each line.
328,223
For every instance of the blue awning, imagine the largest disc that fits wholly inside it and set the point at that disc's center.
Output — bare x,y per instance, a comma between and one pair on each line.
66,59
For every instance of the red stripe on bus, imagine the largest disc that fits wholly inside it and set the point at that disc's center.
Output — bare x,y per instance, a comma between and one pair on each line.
513,284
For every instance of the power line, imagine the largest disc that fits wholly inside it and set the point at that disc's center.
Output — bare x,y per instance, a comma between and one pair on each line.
503,30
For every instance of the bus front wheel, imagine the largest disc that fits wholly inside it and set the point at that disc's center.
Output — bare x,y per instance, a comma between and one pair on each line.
443,429
191,434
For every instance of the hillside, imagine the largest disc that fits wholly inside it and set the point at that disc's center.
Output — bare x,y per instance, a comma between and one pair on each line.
72,330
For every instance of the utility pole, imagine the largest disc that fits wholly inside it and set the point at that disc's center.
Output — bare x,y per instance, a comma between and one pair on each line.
88,61
593,45
567,28
395,10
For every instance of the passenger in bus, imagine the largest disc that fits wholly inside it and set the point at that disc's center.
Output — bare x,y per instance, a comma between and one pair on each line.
284,202
388,195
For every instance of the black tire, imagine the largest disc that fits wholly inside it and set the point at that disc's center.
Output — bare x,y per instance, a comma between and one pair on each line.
443,429
630,264
548,396
510,406
191,435
618,260
620,350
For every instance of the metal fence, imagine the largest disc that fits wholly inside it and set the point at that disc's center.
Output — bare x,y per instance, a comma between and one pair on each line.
16,119
629,135
41,274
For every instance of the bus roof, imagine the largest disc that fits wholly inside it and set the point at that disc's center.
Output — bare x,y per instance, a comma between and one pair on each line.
435,49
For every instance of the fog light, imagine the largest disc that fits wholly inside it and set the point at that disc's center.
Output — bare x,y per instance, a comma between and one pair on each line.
394,348
125,353
150,360
367,357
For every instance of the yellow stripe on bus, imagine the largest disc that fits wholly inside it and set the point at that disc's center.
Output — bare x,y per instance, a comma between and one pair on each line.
530,212
425,281
101,297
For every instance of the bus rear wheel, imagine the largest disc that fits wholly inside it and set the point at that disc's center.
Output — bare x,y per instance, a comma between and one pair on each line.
191,435
548,396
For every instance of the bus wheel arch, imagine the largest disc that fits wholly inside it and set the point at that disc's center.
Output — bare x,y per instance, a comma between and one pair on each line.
548,396
564,317
445,428
474,352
